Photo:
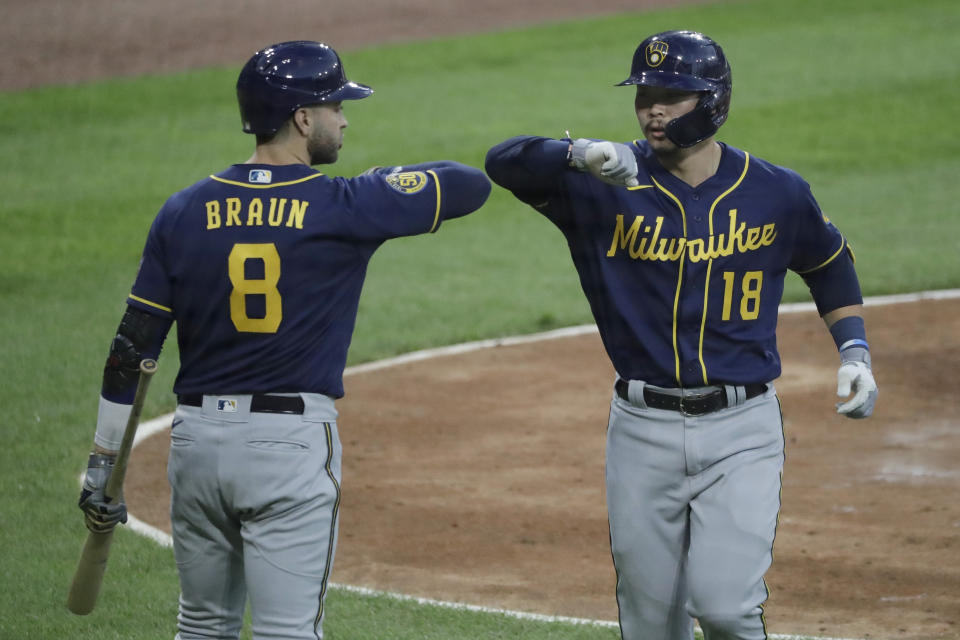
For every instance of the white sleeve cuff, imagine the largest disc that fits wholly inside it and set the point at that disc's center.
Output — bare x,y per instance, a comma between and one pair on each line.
111,423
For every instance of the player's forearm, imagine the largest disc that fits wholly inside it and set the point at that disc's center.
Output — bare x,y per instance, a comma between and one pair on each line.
832,317
527,163
140,335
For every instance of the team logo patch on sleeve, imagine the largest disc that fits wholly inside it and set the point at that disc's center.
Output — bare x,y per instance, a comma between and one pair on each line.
407,181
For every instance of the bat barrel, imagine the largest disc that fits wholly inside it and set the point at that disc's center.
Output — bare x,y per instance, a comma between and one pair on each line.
89,575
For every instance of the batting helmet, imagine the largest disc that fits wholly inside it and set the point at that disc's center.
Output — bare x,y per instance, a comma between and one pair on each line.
688,61
280,79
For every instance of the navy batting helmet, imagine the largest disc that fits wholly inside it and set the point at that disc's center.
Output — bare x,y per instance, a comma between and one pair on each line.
280,79
688,61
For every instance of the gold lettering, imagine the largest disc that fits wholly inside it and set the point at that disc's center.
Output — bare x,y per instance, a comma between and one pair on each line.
674,254
769,234
696,250
653,253
621,240
255,213
713,246
736,234
233,209
643,242
297,209
213,214
641,249
275,218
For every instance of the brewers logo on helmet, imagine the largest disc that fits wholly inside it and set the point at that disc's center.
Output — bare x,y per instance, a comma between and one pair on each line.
656,51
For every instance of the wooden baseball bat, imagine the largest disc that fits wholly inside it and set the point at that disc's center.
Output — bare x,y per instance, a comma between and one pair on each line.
93,559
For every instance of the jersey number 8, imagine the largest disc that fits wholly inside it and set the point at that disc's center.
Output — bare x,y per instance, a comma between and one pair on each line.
266,287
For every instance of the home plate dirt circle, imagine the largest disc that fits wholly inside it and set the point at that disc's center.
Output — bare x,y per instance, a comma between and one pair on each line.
477,476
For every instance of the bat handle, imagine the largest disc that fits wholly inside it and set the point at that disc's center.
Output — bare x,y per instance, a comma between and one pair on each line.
148,367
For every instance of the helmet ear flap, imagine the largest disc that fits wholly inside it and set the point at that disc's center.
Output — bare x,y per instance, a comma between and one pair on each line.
692,128
703,121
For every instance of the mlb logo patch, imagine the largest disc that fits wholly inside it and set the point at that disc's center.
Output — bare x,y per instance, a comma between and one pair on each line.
227,405
260,176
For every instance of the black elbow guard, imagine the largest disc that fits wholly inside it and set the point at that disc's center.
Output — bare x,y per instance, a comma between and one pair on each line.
139,335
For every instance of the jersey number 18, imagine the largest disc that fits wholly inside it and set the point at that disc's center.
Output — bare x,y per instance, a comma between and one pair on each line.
750,301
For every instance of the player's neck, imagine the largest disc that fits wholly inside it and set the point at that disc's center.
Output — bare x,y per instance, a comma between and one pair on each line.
279,154
693,165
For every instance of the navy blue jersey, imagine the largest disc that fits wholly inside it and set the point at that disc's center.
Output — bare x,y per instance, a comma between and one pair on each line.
684,282
262,267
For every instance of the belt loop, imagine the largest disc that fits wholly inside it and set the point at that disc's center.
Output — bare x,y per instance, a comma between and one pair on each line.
736,394
635,393
731,392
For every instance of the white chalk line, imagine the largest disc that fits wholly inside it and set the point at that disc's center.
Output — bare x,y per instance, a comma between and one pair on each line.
160,423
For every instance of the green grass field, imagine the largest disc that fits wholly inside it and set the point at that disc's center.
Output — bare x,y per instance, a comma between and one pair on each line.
859,97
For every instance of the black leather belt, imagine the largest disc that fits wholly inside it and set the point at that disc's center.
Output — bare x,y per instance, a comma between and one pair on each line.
259,403
690,405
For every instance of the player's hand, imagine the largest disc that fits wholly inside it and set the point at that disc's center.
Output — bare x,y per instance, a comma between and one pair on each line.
612,162
101,516
855,376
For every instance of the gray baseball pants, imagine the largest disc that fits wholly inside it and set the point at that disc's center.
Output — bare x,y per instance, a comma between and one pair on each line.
254,505
693,504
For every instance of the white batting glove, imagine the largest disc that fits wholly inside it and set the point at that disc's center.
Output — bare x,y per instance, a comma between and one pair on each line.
855,376
612,162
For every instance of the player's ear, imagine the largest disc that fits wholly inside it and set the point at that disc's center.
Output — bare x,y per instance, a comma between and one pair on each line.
302,120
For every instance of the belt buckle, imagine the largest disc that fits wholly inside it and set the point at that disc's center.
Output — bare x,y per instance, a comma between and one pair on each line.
690,412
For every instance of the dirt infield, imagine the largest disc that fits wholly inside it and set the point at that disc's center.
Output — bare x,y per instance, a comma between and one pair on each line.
55,42
478,477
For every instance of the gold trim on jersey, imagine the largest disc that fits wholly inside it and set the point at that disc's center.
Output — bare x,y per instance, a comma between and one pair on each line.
436,216
843,245
676,298
706,286
152,304
265,186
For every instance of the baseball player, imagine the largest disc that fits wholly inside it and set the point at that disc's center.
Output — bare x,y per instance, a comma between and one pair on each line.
682,244
261,266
